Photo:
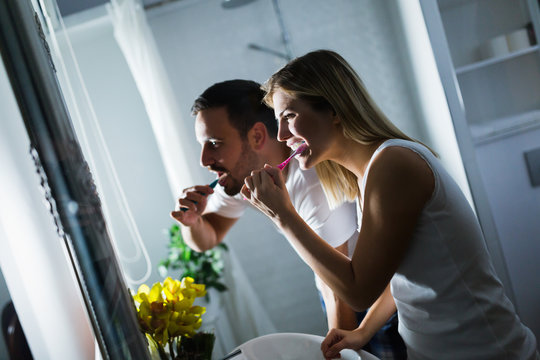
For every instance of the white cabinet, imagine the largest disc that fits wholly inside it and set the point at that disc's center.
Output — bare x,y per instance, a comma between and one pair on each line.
489,62
516,211
496,60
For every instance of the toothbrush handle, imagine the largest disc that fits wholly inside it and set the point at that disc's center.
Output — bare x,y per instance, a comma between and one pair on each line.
283,164
296,152
212,185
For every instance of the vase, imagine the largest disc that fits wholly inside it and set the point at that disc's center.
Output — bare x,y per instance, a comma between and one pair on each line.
198,347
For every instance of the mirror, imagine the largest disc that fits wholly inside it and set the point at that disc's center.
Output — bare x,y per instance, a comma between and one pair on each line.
67,182
140,163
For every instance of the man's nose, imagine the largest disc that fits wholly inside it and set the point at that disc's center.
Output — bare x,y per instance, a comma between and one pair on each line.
206,158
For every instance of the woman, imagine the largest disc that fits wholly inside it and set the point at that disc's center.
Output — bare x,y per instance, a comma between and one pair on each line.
420,248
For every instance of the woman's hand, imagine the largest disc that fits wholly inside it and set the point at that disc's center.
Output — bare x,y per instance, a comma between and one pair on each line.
337,340
266,190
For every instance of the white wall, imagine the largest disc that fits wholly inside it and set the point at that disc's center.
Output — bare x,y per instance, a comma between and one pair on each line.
125,125
201,43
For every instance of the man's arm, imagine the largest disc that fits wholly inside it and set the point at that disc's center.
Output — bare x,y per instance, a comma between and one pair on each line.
207,232
338,314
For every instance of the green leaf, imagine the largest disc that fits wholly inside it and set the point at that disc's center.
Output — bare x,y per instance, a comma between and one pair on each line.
205,267
220,287
186,255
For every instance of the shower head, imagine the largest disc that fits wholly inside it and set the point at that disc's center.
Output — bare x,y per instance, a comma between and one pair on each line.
269,51
230,4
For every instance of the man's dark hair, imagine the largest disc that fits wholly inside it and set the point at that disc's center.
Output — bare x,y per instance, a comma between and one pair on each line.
243,101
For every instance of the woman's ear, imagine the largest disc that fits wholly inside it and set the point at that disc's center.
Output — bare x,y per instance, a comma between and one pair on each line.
257,136
335,118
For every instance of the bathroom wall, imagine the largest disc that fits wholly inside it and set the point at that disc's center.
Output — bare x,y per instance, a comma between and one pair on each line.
201,43
126,129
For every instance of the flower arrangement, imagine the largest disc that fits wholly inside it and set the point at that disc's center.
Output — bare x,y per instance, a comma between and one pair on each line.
205,267
169,319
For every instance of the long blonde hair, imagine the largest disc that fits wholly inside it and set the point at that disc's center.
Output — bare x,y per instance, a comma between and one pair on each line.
326,81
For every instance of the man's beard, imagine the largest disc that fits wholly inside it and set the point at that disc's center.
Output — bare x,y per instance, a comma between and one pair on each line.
247,162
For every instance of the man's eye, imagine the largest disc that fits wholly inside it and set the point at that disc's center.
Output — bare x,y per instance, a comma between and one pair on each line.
213,143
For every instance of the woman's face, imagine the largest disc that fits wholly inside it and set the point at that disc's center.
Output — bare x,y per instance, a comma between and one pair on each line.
298,122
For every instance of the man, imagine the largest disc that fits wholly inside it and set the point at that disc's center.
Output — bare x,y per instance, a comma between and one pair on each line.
237,133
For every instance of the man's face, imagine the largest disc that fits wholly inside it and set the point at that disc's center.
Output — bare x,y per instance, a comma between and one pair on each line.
223,151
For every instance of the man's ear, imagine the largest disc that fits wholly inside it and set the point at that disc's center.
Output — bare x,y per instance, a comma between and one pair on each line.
257,136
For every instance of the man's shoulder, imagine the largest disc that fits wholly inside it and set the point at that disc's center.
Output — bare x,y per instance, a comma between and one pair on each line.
225,205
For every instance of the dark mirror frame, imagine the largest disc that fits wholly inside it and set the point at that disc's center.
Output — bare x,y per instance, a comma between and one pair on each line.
67,182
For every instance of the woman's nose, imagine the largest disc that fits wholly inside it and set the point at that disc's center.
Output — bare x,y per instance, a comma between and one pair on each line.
283,131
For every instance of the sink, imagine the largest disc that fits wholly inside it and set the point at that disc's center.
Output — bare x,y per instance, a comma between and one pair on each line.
291,346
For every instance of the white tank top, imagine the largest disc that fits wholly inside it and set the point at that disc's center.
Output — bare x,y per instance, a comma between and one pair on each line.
451,305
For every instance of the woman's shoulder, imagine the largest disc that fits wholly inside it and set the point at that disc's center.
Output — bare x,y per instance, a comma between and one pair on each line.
404,166
403,153
395,154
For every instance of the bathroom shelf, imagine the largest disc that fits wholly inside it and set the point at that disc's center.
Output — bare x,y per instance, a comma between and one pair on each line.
480,64
503,127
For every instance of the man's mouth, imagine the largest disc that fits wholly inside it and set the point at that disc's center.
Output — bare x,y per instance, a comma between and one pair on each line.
222,177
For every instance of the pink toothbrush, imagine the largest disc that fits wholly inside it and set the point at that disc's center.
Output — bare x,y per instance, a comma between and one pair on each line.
298,150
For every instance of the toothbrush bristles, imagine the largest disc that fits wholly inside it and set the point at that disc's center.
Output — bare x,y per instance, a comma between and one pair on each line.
300,148
297,145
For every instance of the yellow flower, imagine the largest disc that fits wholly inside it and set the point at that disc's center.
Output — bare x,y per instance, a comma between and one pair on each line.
195,290
166,310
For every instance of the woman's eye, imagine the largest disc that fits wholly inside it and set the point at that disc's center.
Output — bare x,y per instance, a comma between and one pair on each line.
288,116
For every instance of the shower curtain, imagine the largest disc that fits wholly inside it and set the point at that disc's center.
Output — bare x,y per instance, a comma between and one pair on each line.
242,316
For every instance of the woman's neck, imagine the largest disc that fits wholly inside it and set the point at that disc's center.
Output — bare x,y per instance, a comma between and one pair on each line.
355,156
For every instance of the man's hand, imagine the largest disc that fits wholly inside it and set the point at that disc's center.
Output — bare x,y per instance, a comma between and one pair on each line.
191,204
